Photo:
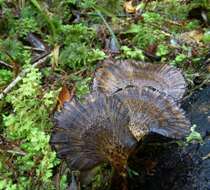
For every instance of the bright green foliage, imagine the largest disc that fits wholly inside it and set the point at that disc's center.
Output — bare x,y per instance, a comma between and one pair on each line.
192,25
77,33
206,37
77,52
1,2
5,77
63,182
77,55
136,54
109,7
24,26
29,124
162,50
194,135
179,59
83,86
74,55
153,18
172,9
88,4
13,50
27,111
144,35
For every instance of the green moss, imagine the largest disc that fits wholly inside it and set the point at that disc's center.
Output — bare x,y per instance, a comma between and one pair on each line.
29,125
81,34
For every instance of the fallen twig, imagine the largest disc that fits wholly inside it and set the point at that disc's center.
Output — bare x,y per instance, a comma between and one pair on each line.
14,152
5,64
21,75
34,48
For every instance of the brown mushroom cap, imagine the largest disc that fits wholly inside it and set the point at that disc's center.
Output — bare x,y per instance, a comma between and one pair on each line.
152,111
114,75
93,132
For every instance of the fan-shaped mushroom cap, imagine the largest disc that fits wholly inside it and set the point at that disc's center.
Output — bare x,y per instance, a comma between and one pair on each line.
152,111
93,132
114,75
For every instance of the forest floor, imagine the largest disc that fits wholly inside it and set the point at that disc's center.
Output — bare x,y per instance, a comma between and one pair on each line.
48,53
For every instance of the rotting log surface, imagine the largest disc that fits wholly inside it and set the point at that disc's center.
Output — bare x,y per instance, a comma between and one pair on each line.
176,168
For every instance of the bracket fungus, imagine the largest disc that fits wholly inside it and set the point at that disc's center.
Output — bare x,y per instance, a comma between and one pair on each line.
152,111
113,75
129,100
94,132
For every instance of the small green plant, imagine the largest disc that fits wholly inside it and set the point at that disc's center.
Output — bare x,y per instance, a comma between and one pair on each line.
76,56
173,9
77,28
1,2
206,37
25,26
144,35
29,125
153,18
132,54
82,85
194,135
180,58
77,33
5,77
192,25
12,50
162,50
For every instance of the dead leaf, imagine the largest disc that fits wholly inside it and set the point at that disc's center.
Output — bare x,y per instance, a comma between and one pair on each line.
129,8
152,48
55,56
65,96
194,36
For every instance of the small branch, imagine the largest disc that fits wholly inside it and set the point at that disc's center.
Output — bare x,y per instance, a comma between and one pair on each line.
21,153
34,48
21,75
5,64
